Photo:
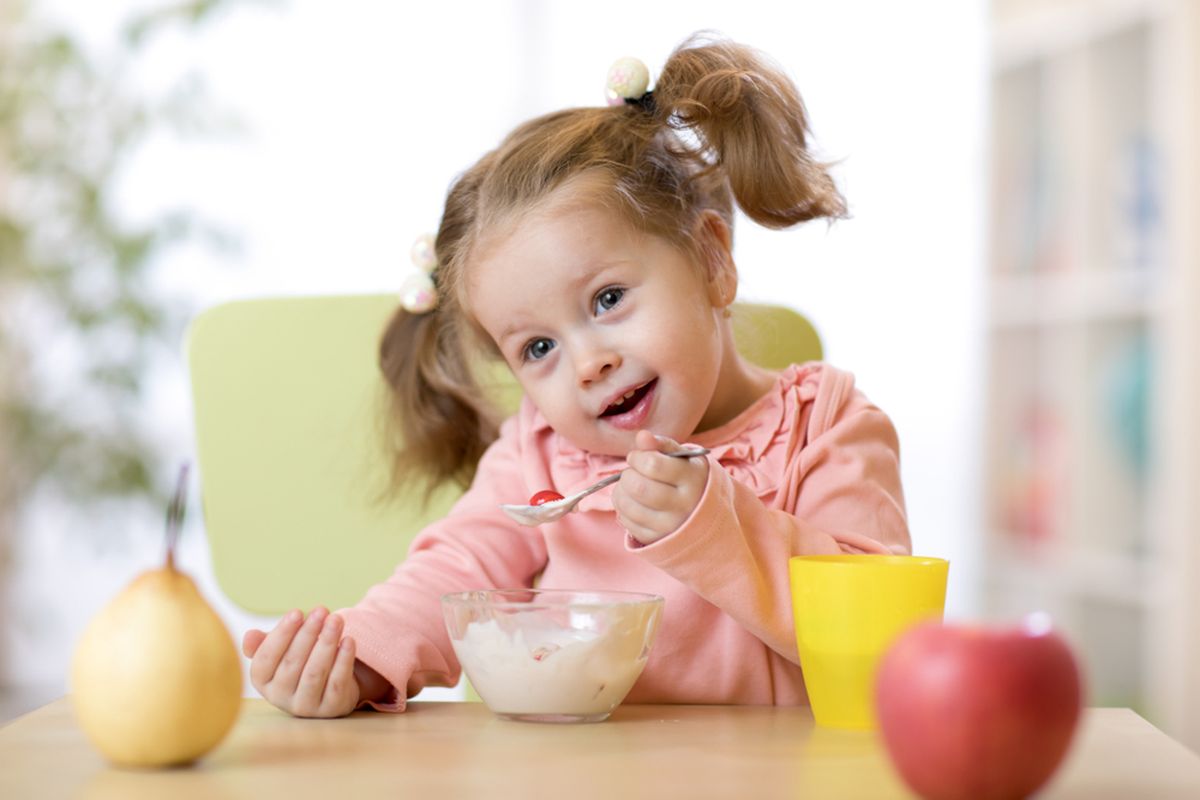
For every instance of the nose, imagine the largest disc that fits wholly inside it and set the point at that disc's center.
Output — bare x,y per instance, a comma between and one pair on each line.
595,361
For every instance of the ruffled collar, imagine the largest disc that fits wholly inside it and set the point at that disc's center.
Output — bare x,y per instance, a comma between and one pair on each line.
741,446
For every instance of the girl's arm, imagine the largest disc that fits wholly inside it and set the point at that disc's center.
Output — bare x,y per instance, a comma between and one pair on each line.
840,493
372,687
397,627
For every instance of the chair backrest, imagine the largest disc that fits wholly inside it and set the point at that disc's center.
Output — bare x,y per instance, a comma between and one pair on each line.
287,399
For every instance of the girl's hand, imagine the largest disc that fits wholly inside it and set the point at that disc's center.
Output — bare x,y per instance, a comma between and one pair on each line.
301,667
656,494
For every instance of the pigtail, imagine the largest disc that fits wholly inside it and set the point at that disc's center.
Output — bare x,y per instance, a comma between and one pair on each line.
743,116
441,421
439,424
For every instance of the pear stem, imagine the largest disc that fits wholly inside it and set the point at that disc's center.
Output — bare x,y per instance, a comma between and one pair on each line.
175,514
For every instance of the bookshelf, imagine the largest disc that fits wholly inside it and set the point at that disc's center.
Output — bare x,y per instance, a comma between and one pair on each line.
1092,440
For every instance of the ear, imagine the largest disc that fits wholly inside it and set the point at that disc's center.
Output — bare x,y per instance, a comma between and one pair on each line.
716,247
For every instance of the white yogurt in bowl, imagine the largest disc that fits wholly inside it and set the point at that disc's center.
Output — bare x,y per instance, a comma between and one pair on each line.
548,655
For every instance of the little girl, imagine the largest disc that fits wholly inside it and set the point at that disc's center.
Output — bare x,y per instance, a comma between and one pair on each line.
592,252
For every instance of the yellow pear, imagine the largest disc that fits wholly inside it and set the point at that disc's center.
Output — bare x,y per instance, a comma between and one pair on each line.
156,678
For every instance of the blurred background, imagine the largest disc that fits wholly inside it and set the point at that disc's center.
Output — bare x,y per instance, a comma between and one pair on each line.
1017,284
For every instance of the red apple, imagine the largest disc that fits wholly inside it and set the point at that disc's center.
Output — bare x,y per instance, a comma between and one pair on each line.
978,712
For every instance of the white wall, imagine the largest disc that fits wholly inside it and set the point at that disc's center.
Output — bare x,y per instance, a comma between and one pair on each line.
358,114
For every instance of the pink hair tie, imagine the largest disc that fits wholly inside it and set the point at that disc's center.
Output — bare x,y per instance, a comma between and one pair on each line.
418,294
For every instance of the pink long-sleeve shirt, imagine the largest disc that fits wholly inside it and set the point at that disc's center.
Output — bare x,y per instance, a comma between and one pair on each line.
811,467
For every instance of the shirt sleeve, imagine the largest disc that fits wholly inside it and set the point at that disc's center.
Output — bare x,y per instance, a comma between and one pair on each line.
841,494
397,627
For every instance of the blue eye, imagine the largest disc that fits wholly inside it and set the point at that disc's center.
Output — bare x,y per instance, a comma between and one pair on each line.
608,299
537,349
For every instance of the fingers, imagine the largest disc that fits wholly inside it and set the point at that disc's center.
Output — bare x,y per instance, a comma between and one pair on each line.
648,509
648,524
287,673
645,440
647,490
251,641
316,669
655,466
688,473
271,649
341,690
657,493
301,667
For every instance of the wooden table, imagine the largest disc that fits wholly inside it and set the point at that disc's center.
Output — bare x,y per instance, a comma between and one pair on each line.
449,750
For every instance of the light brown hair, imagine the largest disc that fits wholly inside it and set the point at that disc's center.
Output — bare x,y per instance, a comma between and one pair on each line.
725,125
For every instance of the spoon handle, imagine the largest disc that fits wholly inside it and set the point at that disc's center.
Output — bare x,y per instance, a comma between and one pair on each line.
611,479
600,484
688,452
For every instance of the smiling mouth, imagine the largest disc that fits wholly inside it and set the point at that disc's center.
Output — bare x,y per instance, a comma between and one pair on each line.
629,401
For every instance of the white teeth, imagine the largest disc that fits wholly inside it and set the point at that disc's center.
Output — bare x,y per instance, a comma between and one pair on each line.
624,397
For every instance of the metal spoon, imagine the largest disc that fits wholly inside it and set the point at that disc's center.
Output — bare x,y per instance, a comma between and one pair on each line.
548,512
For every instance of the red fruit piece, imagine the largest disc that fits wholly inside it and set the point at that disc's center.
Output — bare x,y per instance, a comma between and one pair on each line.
544,496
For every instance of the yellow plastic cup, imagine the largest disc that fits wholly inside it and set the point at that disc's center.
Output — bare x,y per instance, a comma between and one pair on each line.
847,610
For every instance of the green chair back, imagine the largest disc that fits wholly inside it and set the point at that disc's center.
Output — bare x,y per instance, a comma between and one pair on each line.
288,406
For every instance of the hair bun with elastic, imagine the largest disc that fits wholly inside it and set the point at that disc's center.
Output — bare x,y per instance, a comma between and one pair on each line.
628,79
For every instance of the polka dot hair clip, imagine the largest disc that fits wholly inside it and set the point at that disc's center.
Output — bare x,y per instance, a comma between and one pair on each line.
418,294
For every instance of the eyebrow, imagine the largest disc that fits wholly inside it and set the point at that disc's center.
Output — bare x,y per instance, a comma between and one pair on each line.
509,330
580,279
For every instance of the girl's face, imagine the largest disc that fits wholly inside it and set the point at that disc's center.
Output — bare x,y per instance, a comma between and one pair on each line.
609,330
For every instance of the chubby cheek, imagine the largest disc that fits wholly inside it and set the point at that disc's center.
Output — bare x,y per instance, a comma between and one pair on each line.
697,372
693,343
547,401
562,410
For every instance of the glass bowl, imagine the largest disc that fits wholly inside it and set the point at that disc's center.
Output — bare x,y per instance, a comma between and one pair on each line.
549,655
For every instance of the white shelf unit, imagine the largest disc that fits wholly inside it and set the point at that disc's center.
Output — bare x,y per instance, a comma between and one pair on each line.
1092,464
